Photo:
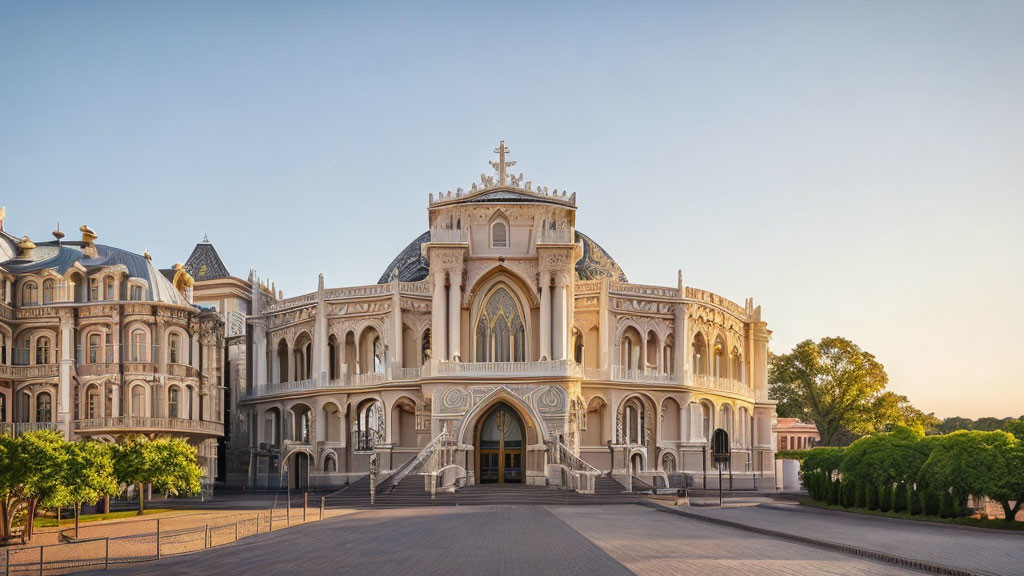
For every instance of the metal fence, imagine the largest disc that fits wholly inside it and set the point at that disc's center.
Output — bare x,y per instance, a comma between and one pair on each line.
159,539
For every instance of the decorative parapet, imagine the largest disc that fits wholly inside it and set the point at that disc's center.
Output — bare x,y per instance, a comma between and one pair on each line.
716,300
588,286
719,384
644,290
537,368
28,372
370,291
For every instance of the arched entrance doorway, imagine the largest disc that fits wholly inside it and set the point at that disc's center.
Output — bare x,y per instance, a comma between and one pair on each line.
298,473
500,446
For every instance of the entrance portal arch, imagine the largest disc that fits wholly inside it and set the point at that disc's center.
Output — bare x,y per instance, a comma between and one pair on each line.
500,445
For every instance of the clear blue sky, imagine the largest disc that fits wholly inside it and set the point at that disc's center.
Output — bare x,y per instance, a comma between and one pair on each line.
856,167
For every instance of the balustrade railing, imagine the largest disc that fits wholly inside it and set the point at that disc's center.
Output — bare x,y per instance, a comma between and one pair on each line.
583,475
440,458
36,371
405,373
147,423
638,375
23,427
448,235
723,384
536,368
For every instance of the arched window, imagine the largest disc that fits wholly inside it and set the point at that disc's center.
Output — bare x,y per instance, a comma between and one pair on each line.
94,348
138,346
304,427
700,355
705,409
736,372
499,235
29,294
92,407
272,427
370,426
135,292
577,346
43,350
49,290
108,288
633,422
719,356
44,407
330,464
173,395
138,401
425,345
378,356
668,462
3,408
173,346
3,349
500,334
94,289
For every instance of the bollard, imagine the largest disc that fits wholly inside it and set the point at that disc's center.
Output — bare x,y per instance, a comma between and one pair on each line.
321,507
305,504
40,561
236,531
271,520
206,537
288,510
106,553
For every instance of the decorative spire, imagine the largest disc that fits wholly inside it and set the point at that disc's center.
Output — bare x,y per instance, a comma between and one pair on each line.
502,164
58,234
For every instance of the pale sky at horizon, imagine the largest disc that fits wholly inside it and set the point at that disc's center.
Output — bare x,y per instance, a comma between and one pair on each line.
855,167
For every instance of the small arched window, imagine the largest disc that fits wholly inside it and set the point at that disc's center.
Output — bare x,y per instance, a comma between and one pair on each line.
49,290
94,348
172,402
108,288
29,294
499,235
138,401
94,289
138,346
43,350
44,407
174,345
135,292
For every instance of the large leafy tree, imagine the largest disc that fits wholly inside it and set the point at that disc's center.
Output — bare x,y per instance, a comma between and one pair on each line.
168,464
832,383
88,473
31,476
978,463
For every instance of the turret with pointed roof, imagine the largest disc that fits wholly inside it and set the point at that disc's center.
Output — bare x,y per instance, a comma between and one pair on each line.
205,263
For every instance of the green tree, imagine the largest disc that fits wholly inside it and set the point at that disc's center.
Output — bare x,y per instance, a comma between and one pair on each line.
831,383
980,464
88,474
167,464
31,476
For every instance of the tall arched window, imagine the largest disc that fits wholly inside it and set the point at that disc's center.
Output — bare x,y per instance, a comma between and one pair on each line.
719,356
94,289
29,294
49,290
138,346
43,350
138,401
135,292
173,396
173,346
700,355
500,333
108,288
378,356
92,407
370,426
3,349
705,409
736,371
44,407
3,408
499,235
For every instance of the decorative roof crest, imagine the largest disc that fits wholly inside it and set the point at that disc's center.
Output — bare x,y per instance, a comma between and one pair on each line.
502,179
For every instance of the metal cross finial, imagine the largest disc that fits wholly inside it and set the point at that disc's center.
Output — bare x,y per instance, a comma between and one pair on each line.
501,150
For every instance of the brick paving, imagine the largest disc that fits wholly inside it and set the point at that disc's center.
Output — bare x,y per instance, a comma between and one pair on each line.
652,543
985,551
484,540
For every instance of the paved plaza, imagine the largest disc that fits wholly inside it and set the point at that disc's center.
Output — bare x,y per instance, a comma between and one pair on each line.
595,540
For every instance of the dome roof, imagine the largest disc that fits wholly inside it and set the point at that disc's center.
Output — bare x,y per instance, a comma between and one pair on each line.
411,266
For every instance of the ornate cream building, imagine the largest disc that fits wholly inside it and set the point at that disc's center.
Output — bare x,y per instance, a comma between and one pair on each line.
96,342
502,345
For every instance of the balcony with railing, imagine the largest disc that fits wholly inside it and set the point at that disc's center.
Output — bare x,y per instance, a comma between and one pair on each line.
17,428
112,358
722,384
25,372
553,368
131,423
622,374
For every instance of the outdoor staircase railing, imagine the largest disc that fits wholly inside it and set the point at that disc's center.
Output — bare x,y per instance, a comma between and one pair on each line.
583,475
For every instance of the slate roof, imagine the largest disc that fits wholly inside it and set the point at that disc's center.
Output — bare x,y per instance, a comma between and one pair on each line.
61,256
411,266
205,263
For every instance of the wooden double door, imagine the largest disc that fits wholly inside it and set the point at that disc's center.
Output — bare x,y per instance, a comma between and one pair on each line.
501,447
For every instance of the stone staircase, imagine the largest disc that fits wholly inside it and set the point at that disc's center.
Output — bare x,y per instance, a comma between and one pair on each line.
409,492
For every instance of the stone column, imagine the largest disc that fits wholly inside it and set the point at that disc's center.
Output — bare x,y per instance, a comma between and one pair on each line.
545,316
559,321
679,353
438,320
319,365
67,364
115,401
291,362
397,340
455,313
